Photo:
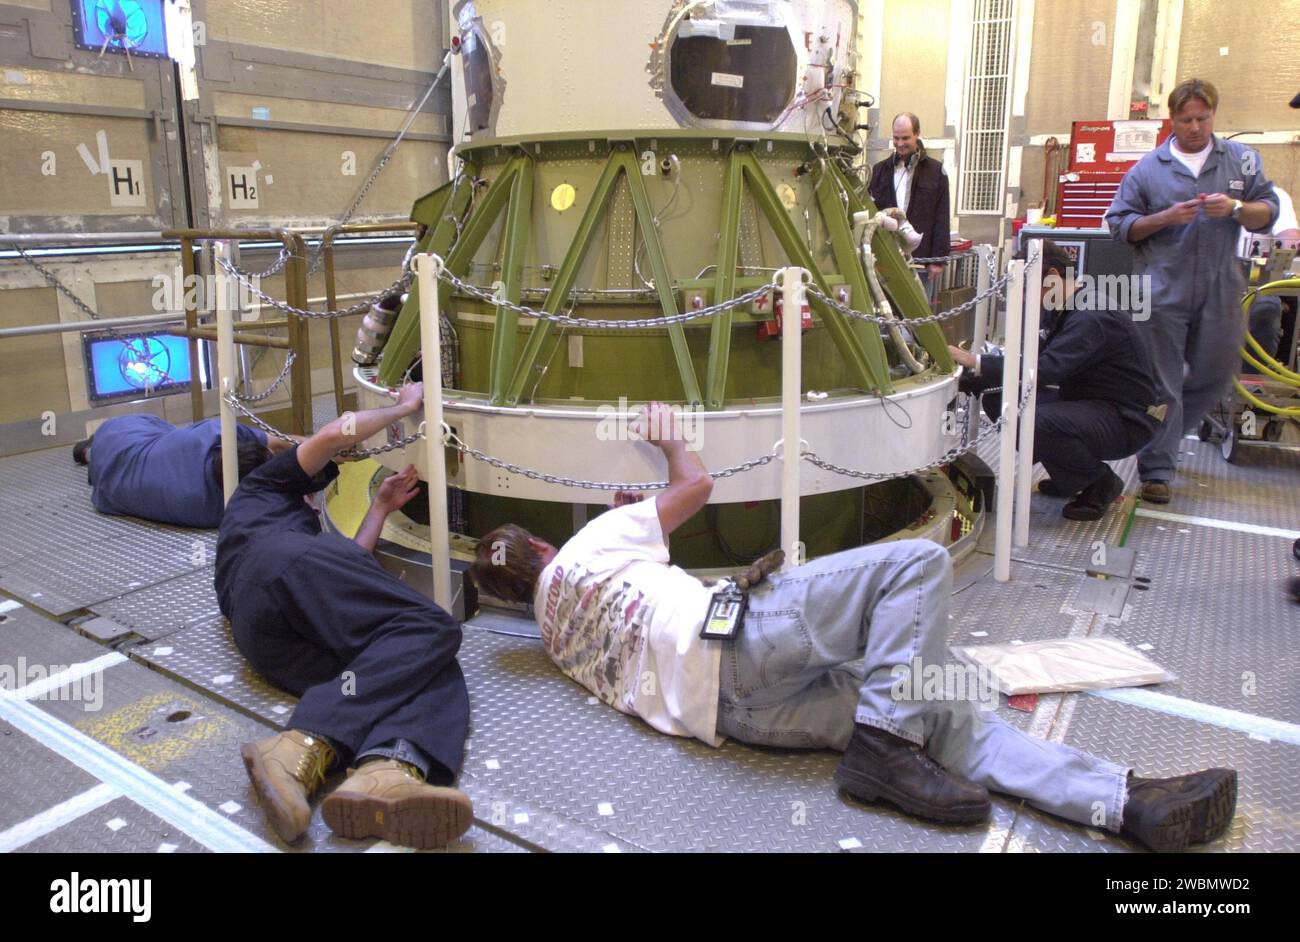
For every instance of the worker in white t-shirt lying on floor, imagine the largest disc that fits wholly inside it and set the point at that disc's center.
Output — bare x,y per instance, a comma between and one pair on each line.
813,666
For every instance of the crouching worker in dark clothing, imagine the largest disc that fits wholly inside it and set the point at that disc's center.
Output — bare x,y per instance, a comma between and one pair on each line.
1103,406
820,661
372,661
143,466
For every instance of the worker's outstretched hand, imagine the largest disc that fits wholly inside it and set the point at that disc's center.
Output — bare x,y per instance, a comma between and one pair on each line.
962,357
397,489
657,423
411,396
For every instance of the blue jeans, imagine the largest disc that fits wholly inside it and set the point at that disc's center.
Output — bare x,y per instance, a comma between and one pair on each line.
818,653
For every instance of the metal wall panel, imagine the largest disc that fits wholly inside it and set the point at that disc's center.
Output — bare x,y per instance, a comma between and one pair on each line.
55,103
1070,65
914,65
1249,56
32,377
297,101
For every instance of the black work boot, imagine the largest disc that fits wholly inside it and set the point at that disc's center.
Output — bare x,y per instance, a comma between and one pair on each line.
1167,814
1095,499
879,766
1050,488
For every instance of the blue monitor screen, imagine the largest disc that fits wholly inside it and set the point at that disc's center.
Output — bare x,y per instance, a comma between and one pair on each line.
122,26
138,365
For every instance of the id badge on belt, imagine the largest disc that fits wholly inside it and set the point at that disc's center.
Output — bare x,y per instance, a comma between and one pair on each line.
726,612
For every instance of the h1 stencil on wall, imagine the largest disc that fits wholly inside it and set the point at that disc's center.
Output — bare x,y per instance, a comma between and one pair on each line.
126,183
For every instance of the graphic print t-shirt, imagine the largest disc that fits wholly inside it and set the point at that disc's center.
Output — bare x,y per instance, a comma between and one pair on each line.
621,621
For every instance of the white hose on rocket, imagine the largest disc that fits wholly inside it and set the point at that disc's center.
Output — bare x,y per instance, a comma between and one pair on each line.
891,220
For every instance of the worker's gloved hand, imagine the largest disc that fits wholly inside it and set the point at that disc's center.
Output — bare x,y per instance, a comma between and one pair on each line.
760,569
911,238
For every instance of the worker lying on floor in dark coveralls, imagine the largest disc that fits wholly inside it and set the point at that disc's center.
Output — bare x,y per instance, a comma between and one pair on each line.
829,655
144,466
372,661
1104,405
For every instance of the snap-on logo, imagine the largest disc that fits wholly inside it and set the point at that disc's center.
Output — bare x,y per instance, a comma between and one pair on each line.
1236,184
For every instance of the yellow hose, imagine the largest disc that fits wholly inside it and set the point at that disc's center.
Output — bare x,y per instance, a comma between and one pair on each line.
1276,370
1265,370
1293,412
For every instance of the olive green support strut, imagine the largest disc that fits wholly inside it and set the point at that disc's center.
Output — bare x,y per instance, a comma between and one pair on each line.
437,212
621,161
865,355
896,274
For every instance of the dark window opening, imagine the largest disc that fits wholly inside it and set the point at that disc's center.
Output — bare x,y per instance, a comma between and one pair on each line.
749,78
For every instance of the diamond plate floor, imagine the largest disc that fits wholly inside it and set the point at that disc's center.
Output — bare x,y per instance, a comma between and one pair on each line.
548,769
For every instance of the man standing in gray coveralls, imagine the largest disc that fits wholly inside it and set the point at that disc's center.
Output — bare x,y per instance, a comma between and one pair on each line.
1180,207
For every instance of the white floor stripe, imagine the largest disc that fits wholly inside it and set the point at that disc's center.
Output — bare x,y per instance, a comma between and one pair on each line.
1218,524
1205,713
8,605
51,819
68,677
200,822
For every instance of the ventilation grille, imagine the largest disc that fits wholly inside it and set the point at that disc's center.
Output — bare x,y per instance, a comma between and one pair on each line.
987,96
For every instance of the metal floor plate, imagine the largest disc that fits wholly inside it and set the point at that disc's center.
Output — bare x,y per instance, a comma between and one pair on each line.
166,607
1217,615
1260,487
548,769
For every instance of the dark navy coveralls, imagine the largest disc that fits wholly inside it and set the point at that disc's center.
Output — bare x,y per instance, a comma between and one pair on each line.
372,660
144,466
1101,362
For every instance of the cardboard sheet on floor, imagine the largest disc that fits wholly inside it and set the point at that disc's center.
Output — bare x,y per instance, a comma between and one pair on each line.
1063,665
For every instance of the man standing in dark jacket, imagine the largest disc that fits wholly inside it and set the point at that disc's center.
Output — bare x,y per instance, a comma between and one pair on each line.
1103,407
917,184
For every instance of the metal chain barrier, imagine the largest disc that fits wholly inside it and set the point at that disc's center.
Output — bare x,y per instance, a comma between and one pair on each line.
942,259
451,438
995,288
640,322
284,374
364,305
56,284
951,455
412,113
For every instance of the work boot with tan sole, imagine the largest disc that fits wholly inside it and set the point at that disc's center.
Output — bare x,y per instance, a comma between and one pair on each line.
390,800
285,771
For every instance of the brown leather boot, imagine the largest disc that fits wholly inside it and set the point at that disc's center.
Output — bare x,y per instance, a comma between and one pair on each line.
1156,492
390,800
285,771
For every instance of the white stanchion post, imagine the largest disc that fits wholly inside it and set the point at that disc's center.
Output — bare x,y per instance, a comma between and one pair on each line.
427,268
983,279
792,296
226,365
1010,413
1025,469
